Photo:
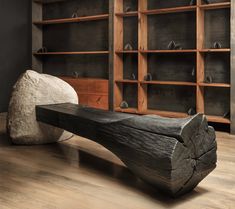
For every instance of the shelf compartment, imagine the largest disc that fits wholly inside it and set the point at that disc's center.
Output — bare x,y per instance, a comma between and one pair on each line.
130,32
172,67
83,9
72,20
221,5
130,66
177,27
171,98
169,10
68,65
216,101
163,4
130,5
217,67
71,53
70,37
129,93
217,29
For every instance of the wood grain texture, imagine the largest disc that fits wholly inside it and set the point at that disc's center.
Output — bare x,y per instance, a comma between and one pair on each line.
91,92
173,155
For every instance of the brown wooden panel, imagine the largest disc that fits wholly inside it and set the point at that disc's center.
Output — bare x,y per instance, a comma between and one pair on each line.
98,101
97,86
83,98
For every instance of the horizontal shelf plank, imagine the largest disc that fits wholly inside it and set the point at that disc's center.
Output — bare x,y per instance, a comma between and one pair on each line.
176,83
224,85
72,20
126,81
70,53
214,50
169,114
169,51
170,10
127,14
221,5
127,52
127,110
218,119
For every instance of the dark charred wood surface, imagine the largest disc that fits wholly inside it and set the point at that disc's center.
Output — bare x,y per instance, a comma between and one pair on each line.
173,155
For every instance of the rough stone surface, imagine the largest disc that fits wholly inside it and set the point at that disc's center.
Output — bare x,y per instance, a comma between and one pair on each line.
33,89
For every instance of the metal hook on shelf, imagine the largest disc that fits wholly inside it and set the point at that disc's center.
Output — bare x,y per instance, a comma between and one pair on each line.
75,15
192,2
217,45
133,77
148,77
124,105
209,79
127,9
128,47
191,111
75,74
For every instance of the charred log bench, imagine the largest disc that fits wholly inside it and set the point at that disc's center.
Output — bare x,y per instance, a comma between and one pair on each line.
173,155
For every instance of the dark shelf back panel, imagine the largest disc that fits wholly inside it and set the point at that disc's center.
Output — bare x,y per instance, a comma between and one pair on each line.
70,37
65,9
130,66
217,28
217,1
130,5
217,101
172,67
130,32
160,4
94,66
130,94
177,27
171,98
217,66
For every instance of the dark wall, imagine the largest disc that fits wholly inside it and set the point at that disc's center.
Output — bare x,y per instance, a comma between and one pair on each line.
15,45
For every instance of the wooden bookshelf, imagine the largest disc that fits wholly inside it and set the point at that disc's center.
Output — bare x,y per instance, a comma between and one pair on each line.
194,77
80,54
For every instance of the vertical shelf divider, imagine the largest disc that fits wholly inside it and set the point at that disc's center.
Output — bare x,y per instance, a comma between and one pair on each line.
232,90
37,40
142,57
118,58
200,59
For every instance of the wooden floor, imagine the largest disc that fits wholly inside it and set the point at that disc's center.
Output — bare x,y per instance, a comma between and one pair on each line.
50,177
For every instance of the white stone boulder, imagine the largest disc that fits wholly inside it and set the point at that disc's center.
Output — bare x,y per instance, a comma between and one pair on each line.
30,90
